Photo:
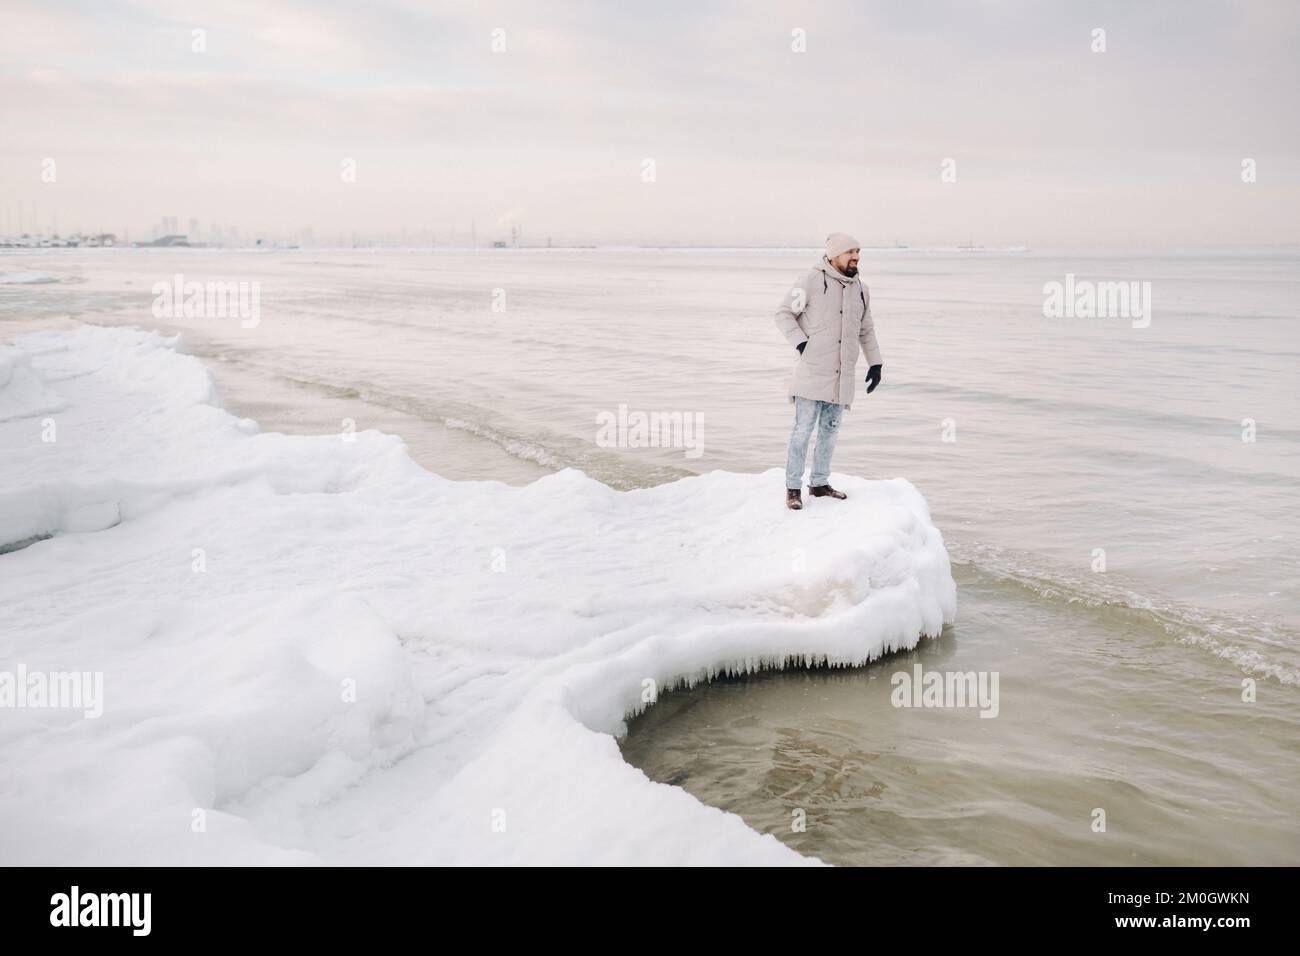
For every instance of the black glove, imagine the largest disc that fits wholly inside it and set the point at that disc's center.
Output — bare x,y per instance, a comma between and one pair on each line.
873,378
801,345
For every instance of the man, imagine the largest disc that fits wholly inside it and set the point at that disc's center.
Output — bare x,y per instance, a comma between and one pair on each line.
827,317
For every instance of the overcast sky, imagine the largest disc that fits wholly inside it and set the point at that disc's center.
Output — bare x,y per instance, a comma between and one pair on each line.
1054,145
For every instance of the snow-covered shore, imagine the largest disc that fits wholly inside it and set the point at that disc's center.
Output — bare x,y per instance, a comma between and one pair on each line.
313,650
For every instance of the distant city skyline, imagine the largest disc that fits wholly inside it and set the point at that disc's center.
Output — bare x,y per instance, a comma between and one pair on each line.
763,123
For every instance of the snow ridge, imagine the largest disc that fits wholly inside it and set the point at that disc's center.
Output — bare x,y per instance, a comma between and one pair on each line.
315,651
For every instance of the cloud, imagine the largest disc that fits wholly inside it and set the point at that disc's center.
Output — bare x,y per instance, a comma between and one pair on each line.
744,132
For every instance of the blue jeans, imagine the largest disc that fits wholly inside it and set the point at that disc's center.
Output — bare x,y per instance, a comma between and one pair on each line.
807,413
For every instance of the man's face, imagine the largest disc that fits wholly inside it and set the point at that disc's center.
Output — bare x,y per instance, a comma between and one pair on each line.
847,262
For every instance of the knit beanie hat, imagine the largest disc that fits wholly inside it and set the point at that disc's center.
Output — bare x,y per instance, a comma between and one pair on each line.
838,243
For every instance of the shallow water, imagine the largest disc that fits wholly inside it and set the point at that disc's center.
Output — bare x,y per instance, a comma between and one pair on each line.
1096,710
1119,689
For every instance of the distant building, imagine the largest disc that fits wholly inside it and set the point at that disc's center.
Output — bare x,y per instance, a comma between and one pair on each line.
169,240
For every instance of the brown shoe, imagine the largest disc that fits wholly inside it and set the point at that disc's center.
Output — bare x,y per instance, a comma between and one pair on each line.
825,491
793,499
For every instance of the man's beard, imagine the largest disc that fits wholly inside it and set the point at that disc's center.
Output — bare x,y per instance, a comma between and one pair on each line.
850,271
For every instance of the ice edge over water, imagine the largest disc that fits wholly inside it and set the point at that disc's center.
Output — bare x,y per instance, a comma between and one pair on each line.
375,664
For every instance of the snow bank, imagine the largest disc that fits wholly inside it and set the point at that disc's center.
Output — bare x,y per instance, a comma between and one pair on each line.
313,650
23,394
